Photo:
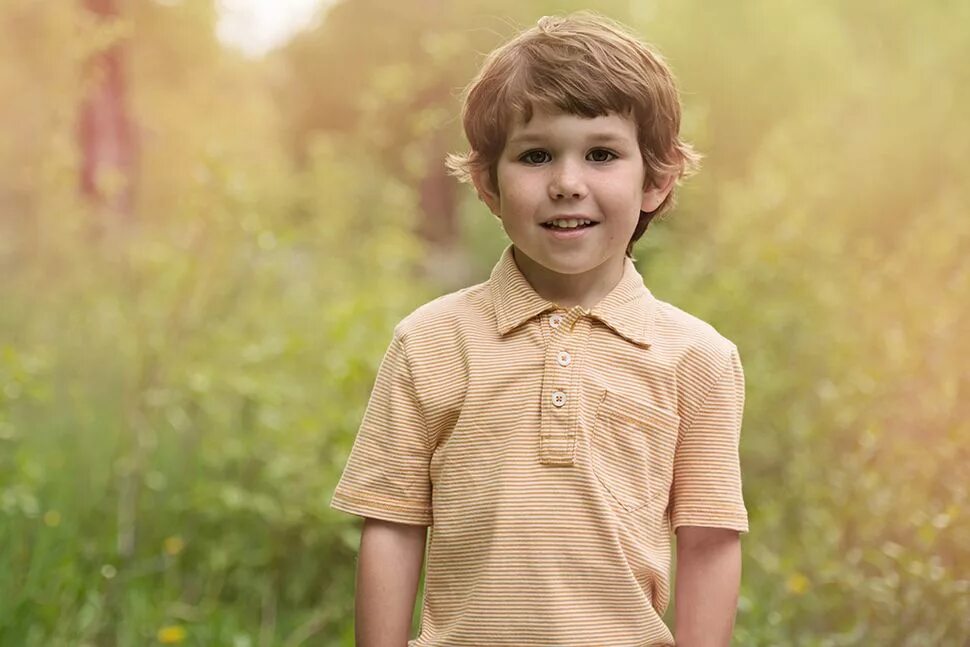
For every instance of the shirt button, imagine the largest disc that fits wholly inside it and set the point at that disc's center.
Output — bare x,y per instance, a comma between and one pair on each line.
555,320
563,358
558,398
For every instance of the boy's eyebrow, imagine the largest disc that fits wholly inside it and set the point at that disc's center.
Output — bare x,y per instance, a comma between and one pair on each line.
601,137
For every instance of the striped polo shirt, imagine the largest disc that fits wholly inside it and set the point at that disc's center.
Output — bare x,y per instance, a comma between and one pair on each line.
552,451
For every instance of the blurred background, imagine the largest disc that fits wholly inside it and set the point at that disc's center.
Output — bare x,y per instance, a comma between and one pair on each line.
212,214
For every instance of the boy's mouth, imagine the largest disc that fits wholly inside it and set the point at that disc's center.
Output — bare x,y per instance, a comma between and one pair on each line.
569,223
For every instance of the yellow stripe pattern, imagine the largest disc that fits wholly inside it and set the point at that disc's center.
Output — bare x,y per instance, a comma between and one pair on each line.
552,451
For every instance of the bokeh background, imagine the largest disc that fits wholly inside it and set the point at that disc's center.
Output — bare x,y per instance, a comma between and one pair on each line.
204,248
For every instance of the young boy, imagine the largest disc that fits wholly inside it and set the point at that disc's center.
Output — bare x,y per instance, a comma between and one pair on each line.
555,424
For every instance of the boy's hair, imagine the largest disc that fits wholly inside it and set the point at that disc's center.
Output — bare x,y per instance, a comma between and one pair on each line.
582,64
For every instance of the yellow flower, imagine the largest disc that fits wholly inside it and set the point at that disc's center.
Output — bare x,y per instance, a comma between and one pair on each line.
797,583
173,545
171,635
52,518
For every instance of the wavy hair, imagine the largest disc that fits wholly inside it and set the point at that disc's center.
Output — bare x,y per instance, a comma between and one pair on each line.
582,64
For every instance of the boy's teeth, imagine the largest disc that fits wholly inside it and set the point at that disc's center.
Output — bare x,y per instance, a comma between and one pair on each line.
569,223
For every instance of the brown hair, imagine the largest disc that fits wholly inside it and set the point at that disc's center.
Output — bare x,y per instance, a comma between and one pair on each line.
582,64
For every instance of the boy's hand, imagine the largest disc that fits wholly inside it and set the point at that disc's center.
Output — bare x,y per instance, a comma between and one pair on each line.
708,579
388,570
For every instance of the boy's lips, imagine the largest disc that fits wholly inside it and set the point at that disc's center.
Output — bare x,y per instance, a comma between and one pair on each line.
568,233
569,216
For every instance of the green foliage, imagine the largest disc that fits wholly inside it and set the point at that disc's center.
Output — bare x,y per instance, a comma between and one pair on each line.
179,393
828,238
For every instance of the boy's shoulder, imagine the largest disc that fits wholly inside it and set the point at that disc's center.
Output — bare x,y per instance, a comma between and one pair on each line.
676,326
446,314
693,346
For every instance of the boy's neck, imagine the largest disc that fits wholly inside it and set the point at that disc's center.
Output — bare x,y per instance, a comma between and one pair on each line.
568,290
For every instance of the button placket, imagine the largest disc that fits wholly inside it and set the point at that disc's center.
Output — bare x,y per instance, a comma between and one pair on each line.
557,438
555,320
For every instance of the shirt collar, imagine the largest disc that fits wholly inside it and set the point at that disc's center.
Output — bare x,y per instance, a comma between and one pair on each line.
628,309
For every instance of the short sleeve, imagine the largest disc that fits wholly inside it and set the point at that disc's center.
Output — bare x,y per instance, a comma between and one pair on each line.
387,475
706,488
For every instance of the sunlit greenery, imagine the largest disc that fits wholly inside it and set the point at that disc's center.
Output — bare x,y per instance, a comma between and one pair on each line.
179,389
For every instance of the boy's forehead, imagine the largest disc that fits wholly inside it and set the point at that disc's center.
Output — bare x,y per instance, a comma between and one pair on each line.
545,122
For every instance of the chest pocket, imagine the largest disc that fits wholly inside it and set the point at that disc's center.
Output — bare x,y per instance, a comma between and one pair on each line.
632,449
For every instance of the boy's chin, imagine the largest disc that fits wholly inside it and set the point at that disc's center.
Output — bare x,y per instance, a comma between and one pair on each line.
560,261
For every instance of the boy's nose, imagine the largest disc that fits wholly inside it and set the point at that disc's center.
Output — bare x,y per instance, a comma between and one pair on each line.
566,183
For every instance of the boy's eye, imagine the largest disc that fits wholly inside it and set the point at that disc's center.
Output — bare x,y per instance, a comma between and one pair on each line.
601,155
541,156
534,157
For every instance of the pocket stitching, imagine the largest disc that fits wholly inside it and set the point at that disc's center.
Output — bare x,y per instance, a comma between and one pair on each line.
654,418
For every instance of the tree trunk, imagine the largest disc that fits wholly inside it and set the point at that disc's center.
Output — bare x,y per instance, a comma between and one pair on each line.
105,134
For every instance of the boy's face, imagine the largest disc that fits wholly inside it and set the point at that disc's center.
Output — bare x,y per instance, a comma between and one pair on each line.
566,167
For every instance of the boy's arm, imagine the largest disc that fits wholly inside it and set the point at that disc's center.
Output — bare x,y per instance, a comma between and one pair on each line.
388,571
706,590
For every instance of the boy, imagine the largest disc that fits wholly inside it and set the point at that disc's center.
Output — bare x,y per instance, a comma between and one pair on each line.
555,424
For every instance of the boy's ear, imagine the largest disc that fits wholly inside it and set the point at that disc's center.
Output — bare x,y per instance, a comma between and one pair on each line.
657,191
483,185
